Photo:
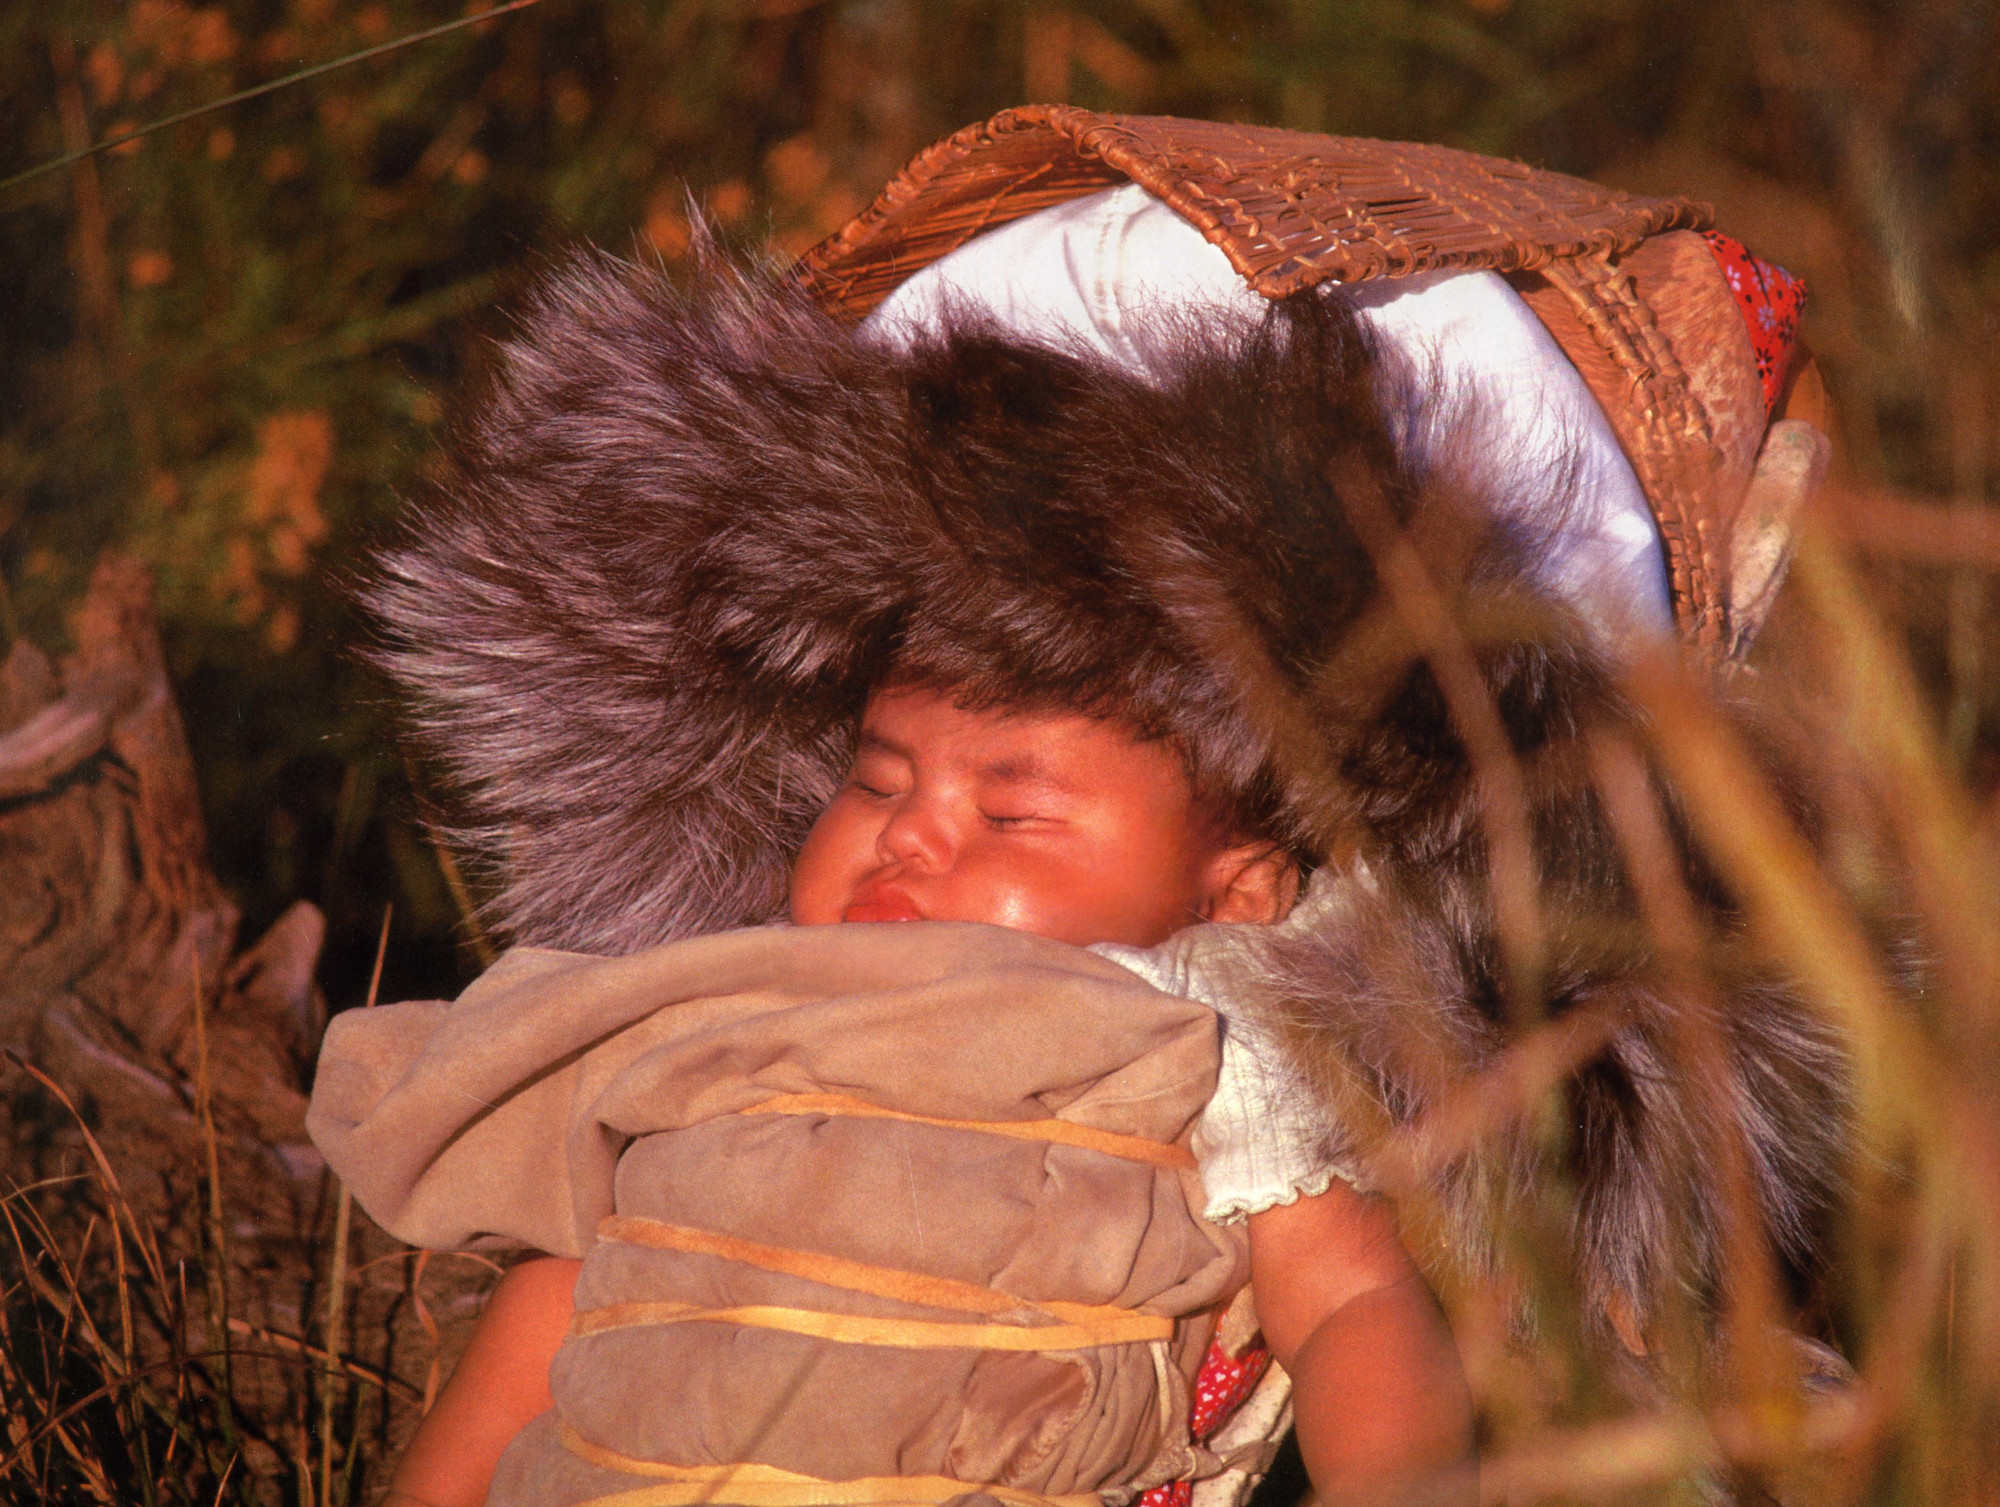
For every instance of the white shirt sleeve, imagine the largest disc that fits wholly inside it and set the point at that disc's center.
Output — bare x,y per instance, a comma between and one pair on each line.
1263,1140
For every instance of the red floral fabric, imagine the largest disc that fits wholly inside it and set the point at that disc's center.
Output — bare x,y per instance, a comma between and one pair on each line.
1220,1388
1771,300
1223,1384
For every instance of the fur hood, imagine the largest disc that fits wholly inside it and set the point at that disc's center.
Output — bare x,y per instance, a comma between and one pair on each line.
682,534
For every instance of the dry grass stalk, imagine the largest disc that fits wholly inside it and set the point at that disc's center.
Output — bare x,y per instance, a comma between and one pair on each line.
337,1276
216,1268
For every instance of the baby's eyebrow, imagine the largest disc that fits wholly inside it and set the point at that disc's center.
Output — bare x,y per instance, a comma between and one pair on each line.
871,741
1024,768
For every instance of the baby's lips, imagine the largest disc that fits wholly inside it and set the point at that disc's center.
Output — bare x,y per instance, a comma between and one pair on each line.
881,903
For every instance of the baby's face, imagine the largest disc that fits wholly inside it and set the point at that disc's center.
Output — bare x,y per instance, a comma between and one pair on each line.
1052,823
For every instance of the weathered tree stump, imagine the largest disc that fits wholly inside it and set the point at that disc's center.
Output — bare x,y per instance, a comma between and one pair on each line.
112,924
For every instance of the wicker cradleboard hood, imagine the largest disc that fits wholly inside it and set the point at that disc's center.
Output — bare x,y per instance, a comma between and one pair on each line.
1620,280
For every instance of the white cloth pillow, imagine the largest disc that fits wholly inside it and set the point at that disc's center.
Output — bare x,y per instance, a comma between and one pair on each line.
1088,270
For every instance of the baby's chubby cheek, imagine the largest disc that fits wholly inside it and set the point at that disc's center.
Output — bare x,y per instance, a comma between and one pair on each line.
820,883
806,905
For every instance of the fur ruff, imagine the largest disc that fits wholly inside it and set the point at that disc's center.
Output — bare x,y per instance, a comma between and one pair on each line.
681,536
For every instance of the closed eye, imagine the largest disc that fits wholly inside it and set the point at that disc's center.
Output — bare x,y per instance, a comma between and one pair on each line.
1007,819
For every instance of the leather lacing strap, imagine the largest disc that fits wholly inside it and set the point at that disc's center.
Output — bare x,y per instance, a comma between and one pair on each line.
768,1486
1130,1148
1072,1326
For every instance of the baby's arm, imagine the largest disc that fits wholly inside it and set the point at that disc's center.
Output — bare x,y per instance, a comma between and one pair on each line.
500,1383
1379,1393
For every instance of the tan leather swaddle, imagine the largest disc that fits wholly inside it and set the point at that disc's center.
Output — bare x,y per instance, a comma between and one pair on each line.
903,1211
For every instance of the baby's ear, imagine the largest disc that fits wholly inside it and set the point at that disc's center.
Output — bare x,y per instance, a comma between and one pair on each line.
1255,883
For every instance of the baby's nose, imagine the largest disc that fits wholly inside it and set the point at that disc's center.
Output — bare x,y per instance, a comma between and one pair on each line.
915,836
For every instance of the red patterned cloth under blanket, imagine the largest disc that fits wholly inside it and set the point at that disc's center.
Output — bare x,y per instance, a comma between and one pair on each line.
1771,300
1220,1388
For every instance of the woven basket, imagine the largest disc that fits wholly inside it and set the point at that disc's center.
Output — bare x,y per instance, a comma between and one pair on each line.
1633,297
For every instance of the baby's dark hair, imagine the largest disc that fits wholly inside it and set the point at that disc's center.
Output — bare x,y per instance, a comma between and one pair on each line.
1236,810
1171,552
